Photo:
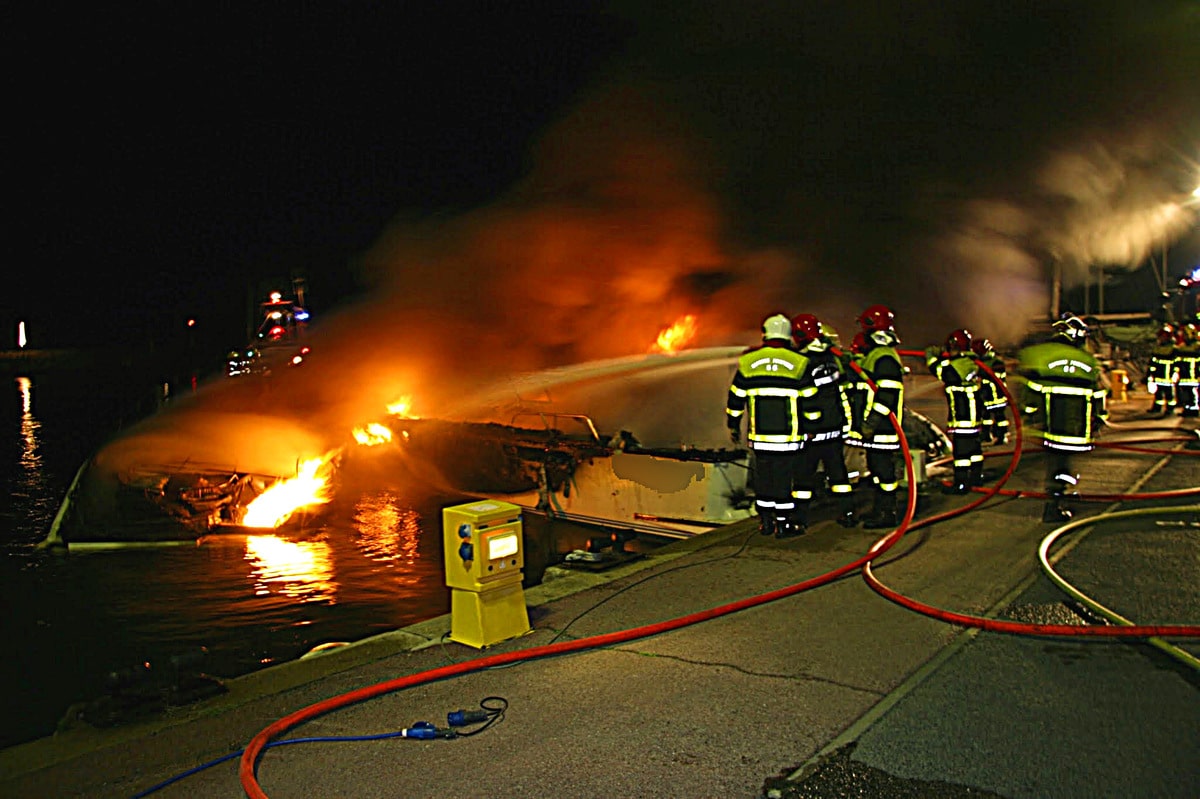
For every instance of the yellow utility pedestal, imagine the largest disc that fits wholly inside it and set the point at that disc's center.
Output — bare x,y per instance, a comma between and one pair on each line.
484,556
1120,384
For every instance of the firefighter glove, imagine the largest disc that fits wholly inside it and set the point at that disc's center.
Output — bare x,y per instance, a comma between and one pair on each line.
877,424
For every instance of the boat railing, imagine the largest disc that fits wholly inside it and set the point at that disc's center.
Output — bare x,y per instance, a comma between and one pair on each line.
550,421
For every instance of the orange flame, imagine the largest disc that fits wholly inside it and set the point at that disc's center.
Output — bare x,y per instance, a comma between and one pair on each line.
402,407
276,505
677,336
372,435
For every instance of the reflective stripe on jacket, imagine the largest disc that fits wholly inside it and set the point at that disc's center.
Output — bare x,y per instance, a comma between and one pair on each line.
1185,366
824,405
882,365
1162,363
990,391
766,390
1062,394
960,380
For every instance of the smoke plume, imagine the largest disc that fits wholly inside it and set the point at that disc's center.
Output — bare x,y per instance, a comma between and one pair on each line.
742,158
738,159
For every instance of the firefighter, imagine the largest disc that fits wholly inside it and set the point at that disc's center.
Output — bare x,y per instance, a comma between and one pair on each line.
954,365
825,420
1063,397
881,365
1160,376
991,391
858,390
1186,369
766,391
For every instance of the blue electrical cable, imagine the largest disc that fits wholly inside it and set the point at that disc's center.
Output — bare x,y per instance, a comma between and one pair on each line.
232,755
493,711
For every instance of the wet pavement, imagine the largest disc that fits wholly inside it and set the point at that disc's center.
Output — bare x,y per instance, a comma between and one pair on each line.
828,692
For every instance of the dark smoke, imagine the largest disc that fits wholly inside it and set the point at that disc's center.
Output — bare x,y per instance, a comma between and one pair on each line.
741,158
939,158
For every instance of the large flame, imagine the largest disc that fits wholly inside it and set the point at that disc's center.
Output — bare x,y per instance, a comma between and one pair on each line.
677,336
402,407
373,434
276,505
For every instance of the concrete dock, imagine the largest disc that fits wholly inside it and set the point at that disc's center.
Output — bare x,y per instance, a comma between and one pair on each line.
828,692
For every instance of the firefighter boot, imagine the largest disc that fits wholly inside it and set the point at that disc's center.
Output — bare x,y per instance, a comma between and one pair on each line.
766,524
976,474
883,515
962,482
794,525
1055,511
846,516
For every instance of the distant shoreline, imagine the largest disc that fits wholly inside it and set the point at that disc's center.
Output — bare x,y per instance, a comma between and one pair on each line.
32,362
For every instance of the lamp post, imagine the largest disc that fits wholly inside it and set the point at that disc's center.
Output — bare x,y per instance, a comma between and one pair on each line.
1170,292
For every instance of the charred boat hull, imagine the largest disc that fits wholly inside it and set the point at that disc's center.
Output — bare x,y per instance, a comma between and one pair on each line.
170,503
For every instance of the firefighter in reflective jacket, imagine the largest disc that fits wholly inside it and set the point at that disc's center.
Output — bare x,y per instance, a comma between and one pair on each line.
766,391
954,365
858,390
1062,396
994,417
1160,376
1185,369
882,366
825,420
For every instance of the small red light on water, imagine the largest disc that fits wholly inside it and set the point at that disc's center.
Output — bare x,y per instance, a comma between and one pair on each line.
191,323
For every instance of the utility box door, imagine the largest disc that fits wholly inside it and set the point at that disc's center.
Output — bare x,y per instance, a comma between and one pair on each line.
483,545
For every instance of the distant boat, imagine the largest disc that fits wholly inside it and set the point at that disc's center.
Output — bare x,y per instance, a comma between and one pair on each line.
280,342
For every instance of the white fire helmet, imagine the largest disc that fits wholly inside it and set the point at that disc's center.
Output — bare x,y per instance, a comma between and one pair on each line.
777,326
1072,327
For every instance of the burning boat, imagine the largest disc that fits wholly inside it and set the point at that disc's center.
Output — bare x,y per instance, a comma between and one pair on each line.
568,470
183,502
190,472
611,482
682,481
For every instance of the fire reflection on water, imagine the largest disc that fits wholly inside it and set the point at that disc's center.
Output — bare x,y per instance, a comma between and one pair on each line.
388,531
300,570
31,459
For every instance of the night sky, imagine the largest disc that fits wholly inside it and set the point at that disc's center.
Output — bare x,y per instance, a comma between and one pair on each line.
178,158
557,181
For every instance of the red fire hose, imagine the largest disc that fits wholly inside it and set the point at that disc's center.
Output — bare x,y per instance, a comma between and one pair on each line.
254,750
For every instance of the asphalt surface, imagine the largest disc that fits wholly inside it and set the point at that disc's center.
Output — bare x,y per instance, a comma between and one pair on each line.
828,692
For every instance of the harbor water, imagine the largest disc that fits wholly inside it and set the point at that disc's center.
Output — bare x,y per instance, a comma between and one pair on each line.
82,624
